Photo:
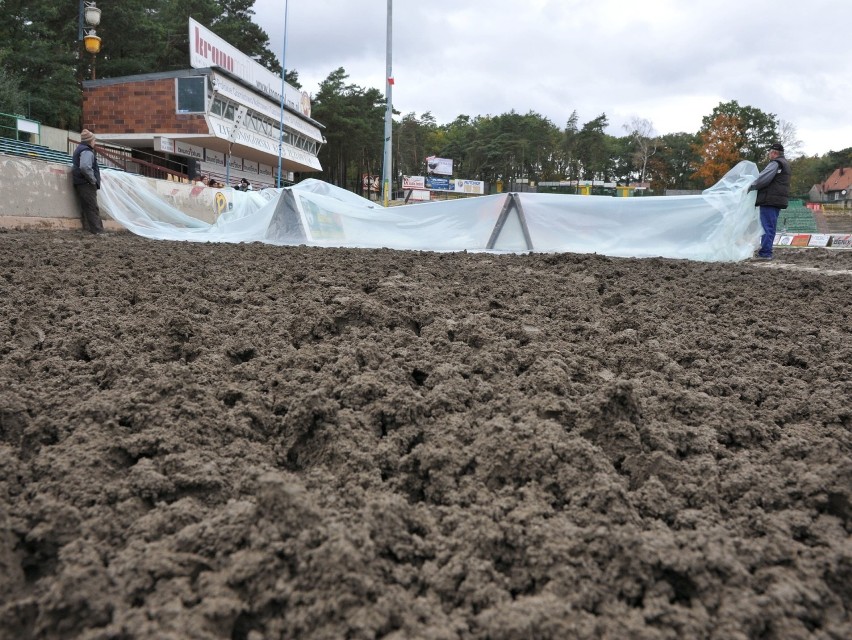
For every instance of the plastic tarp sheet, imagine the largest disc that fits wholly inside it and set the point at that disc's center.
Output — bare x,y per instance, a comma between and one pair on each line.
720,224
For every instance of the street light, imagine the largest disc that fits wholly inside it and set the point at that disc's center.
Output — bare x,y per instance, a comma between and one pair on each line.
91,15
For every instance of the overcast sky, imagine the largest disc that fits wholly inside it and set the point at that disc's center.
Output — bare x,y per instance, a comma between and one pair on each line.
667,61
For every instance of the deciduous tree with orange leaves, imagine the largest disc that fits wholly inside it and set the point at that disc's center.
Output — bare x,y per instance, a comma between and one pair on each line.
719,148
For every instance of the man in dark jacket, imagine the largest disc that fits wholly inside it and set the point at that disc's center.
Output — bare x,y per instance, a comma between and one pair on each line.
773,190
87,180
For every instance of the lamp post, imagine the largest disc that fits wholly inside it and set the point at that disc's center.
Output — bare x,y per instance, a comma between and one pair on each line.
90,17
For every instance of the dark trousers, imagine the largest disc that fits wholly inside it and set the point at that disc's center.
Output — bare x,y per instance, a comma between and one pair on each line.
90,213
769,220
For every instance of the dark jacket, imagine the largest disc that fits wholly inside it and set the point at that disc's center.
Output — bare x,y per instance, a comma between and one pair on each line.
776,192
86,170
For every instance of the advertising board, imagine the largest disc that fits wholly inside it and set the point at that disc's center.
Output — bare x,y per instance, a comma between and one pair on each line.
441,166
206,49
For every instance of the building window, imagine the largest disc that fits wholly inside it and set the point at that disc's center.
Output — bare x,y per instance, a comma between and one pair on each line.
262,124
191,95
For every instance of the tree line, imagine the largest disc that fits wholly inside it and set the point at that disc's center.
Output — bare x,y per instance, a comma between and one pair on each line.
42,66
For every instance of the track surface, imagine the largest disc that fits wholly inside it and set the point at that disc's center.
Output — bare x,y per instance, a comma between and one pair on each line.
249,442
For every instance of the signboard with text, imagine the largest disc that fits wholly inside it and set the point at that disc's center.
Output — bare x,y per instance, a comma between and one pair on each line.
189,150
468,186
441,166
437,184
413,182
206,49
214,157
241,95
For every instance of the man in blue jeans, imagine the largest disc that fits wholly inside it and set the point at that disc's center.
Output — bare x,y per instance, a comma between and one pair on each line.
87,180
773,190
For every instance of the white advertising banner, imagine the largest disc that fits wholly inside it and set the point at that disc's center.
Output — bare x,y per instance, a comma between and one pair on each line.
264,170
250,166
469,186
413,182
189,150
235,163
819,240
214,157
206,49
224,129
164,144
441,166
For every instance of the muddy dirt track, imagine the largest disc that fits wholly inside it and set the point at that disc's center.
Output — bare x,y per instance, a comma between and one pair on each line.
253,442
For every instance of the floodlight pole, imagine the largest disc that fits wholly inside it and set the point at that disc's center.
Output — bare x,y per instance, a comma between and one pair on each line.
386,166
283,84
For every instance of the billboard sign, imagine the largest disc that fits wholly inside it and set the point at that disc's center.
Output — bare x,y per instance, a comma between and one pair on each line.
437,184
371,183
206,49
441,166
468,186
413,182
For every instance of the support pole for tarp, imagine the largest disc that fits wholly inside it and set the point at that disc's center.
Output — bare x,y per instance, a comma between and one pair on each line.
512,201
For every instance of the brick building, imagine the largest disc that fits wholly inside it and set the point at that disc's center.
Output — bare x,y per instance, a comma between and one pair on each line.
222,118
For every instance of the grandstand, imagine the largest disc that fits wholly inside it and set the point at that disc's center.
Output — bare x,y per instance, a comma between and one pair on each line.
14,147
797,218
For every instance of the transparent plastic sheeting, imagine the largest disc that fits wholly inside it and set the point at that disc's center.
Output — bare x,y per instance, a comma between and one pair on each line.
720,224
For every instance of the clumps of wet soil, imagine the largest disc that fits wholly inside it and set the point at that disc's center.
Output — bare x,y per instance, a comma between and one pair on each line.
249,442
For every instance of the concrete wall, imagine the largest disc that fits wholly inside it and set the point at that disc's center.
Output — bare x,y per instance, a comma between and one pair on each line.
57,139
40,194
34,193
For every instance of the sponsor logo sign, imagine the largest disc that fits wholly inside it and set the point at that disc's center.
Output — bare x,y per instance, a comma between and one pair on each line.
468,186
437,184
214,157
413,182
220,203
189,150
206,49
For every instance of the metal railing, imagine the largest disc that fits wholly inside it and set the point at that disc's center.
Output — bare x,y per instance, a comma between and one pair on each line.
139,162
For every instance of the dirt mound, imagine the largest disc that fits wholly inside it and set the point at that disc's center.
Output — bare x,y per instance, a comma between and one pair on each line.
249,442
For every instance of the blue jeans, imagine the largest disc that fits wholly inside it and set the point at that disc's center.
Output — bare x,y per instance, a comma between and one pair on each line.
769,221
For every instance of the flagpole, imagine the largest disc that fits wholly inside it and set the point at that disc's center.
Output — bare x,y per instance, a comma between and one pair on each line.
386,167
283,85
